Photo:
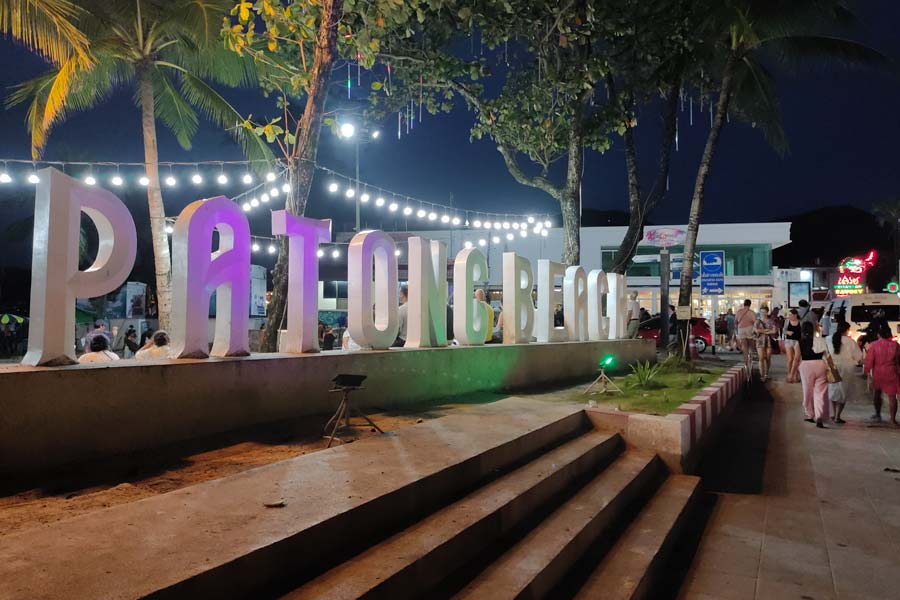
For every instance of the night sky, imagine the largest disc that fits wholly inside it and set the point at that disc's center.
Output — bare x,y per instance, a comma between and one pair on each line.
842,128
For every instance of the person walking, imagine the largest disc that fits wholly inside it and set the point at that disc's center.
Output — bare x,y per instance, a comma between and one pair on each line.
882,358
98,351
745,319
729,329
791,335
131,342
807,314
632,317
812,375
764,330
847,356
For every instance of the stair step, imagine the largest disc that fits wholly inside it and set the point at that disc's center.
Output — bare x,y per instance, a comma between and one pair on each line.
536,563
414,560
629,569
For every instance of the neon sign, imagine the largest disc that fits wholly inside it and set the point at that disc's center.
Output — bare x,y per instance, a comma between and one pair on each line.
852,278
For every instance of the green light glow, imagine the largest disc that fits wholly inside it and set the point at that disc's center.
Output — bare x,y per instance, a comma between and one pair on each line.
608,361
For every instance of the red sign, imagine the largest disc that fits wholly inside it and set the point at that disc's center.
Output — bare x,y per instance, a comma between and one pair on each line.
852,278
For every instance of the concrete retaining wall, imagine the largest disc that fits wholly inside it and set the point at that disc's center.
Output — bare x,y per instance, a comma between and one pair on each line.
58,415
679,437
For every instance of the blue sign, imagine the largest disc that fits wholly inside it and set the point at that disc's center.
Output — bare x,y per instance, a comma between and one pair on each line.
675,264
712,272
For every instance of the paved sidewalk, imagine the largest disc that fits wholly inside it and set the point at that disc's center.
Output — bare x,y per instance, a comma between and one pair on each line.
826,521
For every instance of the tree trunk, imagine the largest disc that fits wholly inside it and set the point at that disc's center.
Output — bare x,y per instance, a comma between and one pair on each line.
161,255
570,198
639,210
690,243
301,166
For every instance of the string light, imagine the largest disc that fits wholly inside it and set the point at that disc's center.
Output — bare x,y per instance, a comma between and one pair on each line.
364,197
455,221
407,210
286,187
487,224
144,180
196,178
254,247
333,187
222,178
421,213
264,198
117,180
393,207
505,224
379,201
544,232
246,206
498,225
495,239
272,249
467,244
270,176
510,236
320,253
169,229
5,178
90,180
445,218
350,192
548,223
397,252
523,232
482,242
335,253
515,225
170,181
247,178
476,224
432,216
531,219
254,202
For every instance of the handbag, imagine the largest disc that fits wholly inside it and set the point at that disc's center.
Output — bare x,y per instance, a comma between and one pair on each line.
831,372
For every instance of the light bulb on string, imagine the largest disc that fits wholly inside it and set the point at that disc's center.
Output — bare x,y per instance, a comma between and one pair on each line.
170,230
364,197
445,219
523,232
397,252
350,192
515,225
272,249
476,224
90,180
320,253
379,201
117,180
505,224
495,239
537,230
548,223
482,242
254,247
487,224
531,219
510,236
421,213
270,176
333,187
498,225
33,178
545,232
247,178
393,207
222,178
144,180
407,210
246,206
254,202
264,198
5,178
285,187
335,253
170,181
467,244
455,221
274,192
523,225
196,178
432,216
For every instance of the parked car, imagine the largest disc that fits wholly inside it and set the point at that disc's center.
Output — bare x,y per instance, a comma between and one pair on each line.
649,330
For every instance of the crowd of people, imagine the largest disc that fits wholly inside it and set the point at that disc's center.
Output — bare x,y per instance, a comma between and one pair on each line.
822,356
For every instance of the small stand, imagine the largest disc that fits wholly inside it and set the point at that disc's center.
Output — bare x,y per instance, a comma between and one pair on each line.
345,384
604,383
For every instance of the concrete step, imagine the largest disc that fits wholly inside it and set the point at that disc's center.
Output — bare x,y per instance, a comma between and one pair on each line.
534,565
631,566
413,561
219,540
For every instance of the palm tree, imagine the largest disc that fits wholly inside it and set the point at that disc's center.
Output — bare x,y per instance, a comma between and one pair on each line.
741,36
168,54
46,27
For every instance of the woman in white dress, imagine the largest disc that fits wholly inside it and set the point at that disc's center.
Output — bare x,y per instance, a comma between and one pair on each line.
847,356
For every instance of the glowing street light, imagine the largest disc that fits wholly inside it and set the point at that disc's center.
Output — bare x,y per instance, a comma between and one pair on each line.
347,130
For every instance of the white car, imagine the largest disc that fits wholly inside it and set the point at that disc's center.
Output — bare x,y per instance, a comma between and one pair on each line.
859,311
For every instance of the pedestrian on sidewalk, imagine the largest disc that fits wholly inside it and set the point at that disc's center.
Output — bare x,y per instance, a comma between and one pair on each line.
745,319
847,356
812,375
791,334
764,329
729,329
882,360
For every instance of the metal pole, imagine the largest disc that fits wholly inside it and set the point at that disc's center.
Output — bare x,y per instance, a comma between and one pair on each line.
664,275
357,182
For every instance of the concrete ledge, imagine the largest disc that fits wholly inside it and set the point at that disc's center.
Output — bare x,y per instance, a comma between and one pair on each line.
679,437
58,415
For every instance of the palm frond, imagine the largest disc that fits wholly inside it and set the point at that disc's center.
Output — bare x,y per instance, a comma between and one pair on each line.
173,110
218,110
46,27
823,51
755,99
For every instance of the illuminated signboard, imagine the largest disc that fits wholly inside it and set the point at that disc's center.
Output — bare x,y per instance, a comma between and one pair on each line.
852,275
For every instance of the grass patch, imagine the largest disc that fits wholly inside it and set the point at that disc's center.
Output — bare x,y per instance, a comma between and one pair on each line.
665,392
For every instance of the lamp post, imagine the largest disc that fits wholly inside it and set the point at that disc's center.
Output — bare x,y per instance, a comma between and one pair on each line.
347,131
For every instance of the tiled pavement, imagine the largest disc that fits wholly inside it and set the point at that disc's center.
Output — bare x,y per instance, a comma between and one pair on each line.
826,523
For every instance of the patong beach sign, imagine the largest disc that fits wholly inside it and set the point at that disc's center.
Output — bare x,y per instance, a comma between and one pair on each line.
594,301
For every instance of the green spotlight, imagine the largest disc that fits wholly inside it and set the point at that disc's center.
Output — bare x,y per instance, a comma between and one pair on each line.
608,362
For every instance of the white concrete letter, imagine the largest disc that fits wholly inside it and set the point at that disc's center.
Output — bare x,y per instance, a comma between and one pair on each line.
518,306
598,322
304,235
470,322
55,279
427,318
197,273
616,305
575,304
548,297
372,305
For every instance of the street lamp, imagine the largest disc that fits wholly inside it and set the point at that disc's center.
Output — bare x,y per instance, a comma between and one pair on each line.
348,131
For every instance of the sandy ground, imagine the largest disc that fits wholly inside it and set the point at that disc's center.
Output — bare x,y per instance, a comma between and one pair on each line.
50,501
